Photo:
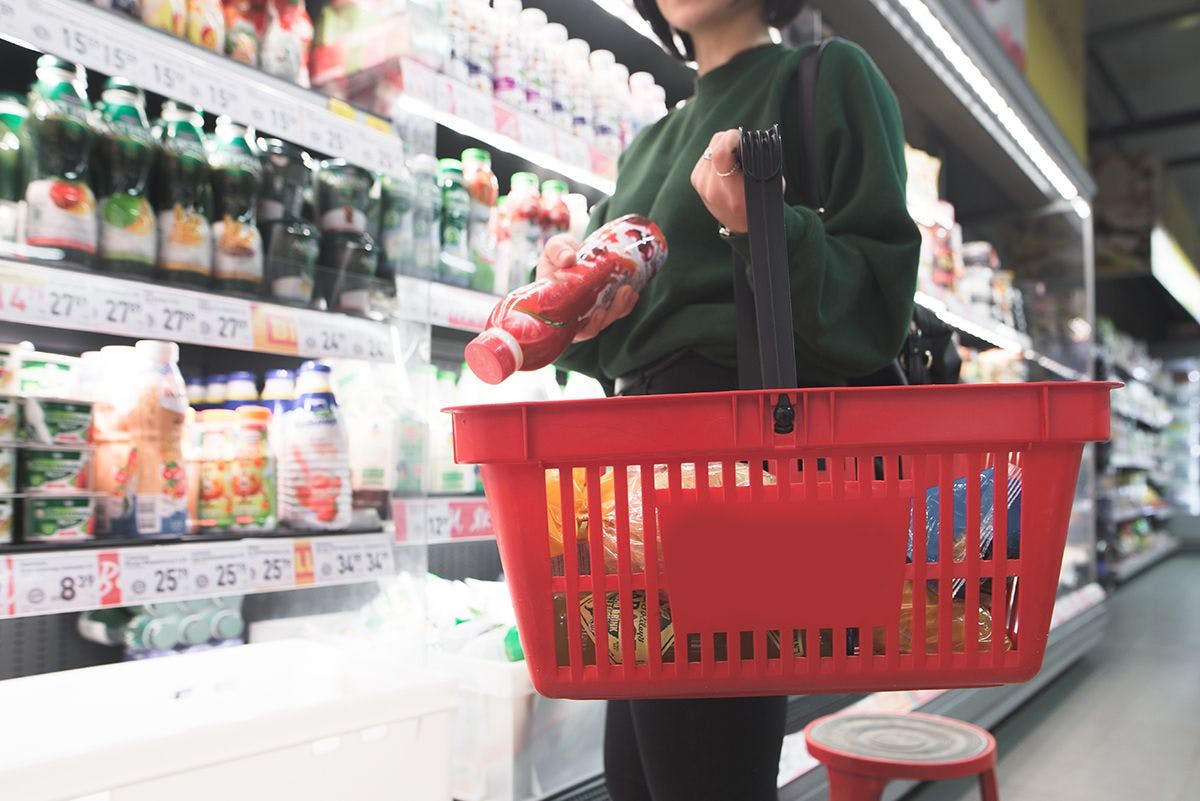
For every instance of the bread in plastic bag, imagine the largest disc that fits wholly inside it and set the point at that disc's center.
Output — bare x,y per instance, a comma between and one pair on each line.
933,629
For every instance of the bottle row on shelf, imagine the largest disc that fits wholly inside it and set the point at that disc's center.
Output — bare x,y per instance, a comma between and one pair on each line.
100,187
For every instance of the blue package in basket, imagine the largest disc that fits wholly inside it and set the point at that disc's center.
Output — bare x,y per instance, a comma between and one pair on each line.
986,528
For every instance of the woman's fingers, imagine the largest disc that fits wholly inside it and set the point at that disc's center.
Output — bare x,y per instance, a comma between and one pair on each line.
717,179
558,254
623,303
725,147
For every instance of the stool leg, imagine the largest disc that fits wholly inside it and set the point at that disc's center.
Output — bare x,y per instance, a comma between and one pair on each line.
853,787
988,789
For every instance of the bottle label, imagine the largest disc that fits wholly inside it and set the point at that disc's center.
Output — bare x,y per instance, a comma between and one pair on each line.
185,241
61,214
238,255
10,212
293,287
344,218
127,229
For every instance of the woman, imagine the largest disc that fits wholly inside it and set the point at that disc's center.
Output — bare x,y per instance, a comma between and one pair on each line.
853,268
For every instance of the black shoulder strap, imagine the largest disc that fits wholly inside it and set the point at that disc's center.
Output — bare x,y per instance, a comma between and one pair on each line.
807,73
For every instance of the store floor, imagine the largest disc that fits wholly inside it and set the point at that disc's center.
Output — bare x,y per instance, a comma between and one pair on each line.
1123,724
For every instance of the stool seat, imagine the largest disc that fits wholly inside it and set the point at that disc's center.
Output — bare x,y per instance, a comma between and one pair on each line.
861,752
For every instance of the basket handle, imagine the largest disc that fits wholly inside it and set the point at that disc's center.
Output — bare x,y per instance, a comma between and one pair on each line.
764,311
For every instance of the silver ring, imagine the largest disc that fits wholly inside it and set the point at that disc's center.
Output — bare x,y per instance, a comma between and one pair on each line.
732,171
708,154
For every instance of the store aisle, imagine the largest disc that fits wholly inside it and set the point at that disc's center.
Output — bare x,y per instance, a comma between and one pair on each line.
1124,722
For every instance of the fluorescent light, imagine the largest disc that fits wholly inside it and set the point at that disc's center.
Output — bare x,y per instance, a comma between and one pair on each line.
1081,207
623,11
1174,270
1004,114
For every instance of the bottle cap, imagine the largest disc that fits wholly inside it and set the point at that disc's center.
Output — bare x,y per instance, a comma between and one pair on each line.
534,18
578,49
449,165
555,34
494,355
525,179
315,367
476,154
555,185
602,59
241,375
157,350
285,375
641,80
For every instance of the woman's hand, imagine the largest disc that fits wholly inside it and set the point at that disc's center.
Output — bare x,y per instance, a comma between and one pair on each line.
717,178
559,254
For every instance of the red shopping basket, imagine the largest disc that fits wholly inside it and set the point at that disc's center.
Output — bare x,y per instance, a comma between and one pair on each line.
783,541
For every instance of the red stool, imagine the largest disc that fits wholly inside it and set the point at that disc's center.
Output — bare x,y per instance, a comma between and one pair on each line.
862,753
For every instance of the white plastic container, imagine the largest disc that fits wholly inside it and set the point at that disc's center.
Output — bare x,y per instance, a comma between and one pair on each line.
288,720
511,744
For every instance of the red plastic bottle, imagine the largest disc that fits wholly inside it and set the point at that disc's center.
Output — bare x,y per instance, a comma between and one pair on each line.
534,324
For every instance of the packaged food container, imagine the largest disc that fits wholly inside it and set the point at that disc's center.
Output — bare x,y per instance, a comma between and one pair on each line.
10,363
8,505
50,421
47,469
10,417
8,470
46,375
58,517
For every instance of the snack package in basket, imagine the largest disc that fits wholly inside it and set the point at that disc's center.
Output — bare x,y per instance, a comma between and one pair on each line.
611,621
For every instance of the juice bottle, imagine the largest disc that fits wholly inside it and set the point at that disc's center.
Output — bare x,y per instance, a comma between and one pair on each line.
167,15
215,504
252,470
558,92
481,24
216,391
158,436
427,217
606,122
182,196
349,261
123,156
457,34
115,468
396,226
555,216
314,471
206,24
579,79
236,179
292,244
456,212
287,171
12,173
60,206
498,229
241,36
278,395
286,41
483,189
534,64
525,223
533,325
343,194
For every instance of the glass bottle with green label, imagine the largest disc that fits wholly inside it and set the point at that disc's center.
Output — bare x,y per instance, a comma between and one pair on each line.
343,196
349,262
123,157
236,179
60,206
12,172
427,217
483,188
396,226
291,243
456,267
182,196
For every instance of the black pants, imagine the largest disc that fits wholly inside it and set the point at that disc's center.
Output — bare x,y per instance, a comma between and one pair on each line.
709,749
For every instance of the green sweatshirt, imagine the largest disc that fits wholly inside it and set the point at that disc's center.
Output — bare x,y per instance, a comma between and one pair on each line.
853,268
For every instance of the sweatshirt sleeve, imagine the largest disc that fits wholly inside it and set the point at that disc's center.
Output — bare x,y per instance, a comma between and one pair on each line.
854,266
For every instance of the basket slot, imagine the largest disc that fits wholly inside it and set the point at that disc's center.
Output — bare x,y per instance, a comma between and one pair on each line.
625,568
654,645
1000,616
946,503
973,557
598,570
570,524
919,567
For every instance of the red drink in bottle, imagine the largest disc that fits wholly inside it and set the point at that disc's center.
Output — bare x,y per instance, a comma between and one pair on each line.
534,324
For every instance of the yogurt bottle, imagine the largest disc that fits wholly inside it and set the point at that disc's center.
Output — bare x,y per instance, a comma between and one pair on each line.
314,469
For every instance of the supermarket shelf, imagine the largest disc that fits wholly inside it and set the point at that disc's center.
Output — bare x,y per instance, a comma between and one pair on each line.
453,105
1155,425
439,304
1136,563
52,582
78,301
115,44
435,519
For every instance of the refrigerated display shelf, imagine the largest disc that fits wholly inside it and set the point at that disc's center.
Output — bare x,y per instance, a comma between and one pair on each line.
108,575
442,519
94,302
1131,463
1125,515
116,44
1159,549
1153,424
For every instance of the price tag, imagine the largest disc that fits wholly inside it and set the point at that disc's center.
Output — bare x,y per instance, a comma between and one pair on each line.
537,135
470,518
339,560
439,520
475,107
412,298
71,36
172,316
17,292
219,569
272,564
571,148
226,323
120,310
5,586
274,113
420,82
55,582
154,575
66,305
